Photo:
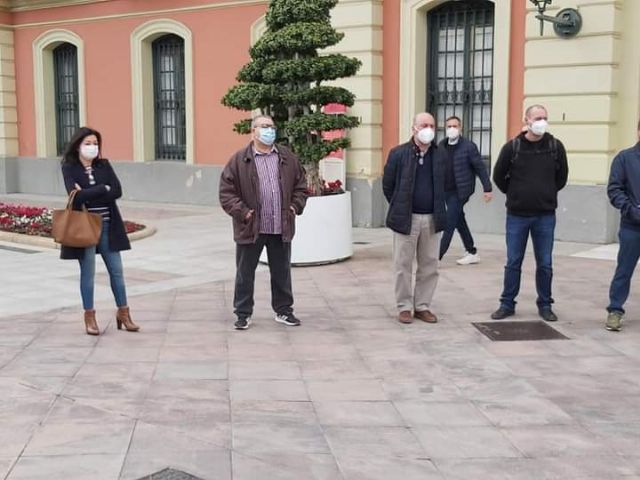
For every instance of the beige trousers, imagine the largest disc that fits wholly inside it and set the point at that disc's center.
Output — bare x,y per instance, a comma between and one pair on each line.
422,243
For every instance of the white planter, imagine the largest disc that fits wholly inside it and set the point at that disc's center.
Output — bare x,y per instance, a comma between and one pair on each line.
323,232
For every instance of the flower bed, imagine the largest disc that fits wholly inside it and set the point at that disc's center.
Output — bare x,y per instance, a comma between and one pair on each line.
36,221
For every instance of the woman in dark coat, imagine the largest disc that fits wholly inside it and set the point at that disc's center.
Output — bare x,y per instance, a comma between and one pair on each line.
97,187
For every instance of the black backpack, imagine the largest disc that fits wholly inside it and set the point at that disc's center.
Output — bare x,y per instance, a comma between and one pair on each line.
516,143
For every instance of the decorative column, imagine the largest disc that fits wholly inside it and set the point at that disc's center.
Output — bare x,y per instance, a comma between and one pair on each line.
8,111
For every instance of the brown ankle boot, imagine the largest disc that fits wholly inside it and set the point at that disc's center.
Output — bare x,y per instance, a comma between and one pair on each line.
123,318
90,322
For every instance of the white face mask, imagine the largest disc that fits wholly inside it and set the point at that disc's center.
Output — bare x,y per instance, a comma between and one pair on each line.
453,133
89,151
426,135
539,127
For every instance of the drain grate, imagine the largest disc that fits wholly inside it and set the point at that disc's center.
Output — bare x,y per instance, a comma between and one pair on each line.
17,249
514,331
170,474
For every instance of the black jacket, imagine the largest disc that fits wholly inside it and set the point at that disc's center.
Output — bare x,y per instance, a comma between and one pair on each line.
624,185
534,177
467,163
95,196
398,181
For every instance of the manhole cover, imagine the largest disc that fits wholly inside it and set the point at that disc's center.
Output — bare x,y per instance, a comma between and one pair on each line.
512,331
170,474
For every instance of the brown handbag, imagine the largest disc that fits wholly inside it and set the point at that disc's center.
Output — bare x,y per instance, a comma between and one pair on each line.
76,228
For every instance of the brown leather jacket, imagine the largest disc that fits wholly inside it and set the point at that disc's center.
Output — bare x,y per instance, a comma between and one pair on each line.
240,192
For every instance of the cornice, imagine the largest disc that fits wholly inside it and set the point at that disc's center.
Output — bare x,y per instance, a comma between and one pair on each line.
25,5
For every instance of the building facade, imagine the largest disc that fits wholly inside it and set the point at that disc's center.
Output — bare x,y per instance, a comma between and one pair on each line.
150,74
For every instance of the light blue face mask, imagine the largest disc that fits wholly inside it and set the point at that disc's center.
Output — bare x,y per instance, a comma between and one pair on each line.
267,135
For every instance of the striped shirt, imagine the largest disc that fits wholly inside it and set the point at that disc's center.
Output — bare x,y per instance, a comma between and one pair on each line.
267,165
103,211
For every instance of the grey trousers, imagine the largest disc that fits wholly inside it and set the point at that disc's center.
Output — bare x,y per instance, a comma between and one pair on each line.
423,244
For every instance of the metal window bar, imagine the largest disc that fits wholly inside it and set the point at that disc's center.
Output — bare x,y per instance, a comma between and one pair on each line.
169,98
65,67
460,68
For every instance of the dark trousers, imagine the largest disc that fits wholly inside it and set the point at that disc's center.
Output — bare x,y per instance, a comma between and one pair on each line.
456,220
542,228
247,256
628,256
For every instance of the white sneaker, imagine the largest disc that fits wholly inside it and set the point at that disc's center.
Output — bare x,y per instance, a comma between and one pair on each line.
468,259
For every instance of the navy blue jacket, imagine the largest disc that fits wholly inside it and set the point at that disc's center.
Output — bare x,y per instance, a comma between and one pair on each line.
467,163
398,181
624,185
96,195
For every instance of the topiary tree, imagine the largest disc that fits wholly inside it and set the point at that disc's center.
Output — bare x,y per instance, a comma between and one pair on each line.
284,80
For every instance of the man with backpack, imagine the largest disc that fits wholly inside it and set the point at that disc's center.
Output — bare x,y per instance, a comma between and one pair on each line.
531,170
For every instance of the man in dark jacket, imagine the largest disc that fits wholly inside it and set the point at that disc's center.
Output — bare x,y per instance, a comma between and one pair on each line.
531,170
413,184
463,164
263,188
624,194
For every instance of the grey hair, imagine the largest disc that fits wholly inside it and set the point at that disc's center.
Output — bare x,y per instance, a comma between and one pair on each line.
531,107
254,120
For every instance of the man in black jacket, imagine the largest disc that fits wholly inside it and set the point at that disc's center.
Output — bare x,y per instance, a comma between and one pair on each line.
624,194
413,184
531,170
463,164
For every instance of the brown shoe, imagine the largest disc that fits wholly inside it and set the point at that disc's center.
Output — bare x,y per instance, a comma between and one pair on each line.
426,316
124,319
405,317
90,323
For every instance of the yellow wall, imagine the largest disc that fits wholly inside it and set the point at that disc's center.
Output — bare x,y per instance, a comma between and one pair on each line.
361,21
8,111
589,83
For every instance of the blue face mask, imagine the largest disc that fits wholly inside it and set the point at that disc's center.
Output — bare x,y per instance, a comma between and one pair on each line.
267,135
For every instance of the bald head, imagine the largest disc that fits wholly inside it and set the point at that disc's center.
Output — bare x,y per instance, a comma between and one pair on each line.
423,129
424,120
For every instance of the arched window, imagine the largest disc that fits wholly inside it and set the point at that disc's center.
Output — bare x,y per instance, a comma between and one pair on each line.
58,89
67,113
162,91
169,98
460,68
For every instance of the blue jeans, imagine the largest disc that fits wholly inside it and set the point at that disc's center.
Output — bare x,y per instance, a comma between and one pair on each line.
541,228
456,220
628,256
112,261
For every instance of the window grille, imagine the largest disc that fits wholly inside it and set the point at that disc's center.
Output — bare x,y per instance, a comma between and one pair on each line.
169,98
460,68
65,67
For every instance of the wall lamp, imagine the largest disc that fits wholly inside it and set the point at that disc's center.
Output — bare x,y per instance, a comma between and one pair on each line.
566,23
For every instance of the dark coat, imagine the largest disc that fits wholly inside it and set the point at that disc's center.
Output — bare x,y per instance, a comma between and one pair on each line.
467,163
531,174
398,181
240,192
94,196
624,185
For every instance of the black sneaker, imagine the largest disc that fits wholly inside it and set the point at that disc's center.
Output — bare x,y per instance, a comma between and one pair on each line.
288,319
547,314
502,313
242,323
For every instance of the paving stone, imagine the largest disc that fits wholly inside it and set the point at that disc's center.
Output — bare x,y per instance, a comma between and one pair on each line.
351,394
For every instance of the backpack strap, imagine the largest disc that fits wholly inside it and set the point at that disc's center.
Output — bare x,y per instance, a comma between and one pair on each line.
516,143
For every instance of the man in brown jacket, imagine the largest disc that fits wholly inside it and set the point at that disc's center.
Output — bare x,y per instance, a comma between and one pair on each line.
263,188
